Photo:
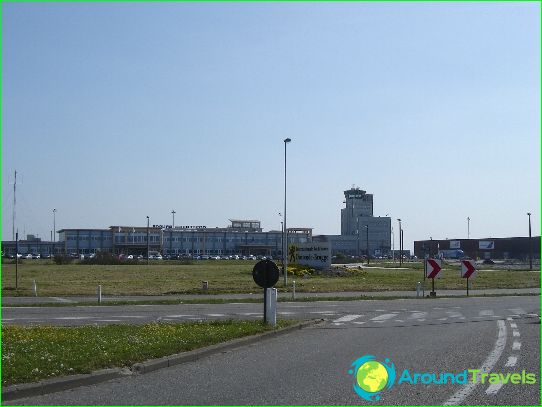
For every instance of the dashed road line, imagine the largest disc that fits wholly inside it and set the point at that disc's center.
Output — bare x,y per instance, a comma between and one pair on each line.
347,318
512,361
489,363
383,317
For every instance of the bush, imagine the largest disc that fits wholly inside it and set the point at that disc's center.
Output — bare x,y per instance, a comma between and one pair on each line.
103,258
300,270
62,259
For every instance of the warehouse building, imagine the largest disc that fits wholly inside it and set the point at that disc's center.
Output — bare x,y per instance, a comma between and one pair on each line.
516,248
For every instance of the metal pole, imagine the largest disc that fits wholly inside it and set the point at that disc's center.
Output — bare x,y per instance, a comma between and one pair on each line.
400,250
468,227
264,305
285,251
367,244
148,242
14,204
467,286
530,244
54,225
173,213
17,260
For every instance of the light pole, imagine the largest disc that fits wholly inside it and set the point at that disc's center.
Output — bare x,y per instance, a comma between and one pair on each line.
530,243
285,231
367,243
392,245
400,244
173,213
148,249
282,240
357,233
468,227
54,225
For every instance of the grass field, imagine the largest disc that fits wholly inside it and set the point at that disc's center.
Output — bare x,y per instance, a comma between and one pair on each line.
33,353
231,277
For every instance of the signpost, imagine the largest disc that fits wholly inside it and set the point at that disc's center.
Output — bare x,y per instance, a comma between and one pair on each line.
266,274
467,270
433,268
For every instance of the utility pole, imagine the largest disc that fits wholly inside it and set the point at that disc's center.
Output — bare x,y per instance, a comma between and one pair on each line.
54,225
468,227
173,213
285,251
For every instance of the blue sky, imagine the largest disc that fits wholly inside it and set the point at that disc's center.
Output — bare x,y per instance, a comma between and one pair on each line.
115,111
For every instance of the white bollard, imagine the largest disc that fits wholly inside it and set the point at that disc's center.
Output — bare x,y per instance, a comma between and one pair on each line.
293,291
418,289
99,291
271,311
35,288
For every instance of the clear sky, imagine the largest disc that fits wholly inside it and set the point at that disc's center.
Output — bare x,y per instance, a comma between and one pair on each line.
115,111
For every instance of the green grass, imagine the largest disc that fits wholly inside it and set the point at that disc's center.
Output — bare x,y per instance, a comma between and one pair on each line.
231,277
30,354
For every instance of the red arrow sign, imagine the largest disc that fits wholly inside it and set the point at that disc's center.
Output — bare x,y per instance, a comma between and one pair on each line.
433,268
467,269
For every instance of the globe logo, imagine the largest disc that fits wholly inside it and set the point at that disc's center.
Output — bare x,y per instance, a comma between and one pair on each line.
372,377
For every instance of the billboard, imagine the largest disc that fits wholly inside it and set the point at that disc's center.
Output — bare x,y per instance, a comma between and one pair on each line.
455,244
314,254
486,244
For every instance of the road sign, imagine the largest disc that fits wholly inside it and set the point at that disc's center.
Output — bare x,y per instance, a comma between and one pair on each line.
265,273
467,269
433,268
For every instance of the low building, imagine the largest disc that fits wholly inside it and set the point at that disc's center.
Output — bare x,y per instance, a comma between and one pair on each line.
517,248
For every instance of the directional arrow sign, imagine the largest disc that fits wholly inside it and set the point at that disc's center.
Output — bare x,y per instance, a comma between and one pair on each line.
433,268
467,269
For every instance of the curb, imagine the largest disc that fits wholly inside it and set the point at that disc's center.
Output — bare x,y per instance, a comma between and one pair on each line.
56,384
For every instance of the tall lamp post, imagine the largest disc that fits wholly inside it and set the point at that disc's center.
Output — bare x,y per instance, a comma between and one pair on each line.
148,242
367,243
173,213
282,240
400,243
54,225
285,231
468,227
530,244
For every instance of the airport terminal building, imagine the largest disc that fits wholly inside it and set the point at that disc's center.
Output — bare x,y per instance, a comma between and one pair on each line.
240,237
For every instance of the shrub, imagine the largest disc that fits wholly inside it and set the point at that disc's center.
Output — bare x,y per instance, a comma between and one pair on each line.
62,259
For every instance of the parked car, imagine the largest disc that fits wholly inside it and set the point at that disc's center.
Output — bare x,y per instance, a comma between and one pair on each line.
27,256
36,256
488,261
129,257
158,257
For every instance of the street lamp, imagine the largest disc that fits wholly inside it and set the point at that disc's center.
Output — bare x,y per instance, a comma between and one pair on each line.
400,243
530,243
54,225
285,231
367,243
148,247
357,233
173,213
468,227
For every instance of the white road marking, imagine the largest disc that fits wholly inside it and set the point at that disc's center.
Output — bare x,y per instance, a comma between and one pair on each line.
179,316
442,319
360,323
382,317
59,299
323,312
285,313
347,318
454,314
399,320
380,310
509,318
108,320
511,362
516,345
516,334
513,325
517,311
417,315
127,316
489,363
70,318
486,313
338,323
218,315
493,389
250,313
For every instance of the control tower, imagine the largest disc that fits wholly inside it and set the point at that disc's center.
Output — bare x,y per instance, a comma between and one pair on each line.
358,204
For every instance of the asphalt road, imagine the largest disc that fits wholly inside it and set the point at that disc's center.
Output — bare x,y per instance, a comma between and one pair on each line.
311,366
